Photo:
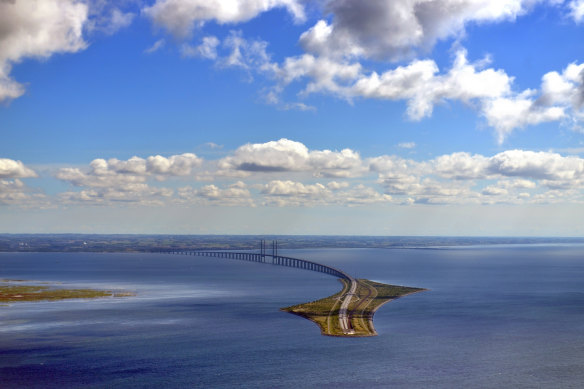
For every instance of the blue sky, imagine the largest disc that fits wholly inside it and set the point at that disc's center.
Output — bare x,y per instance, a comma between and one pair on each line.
409,117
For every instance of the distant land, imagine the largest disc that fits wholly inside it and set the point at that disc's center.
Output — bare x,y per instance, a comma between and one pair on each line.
153,243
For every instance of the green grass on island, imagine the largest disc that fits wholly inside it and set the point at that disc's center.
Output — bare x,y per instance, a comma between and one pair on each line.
368,297
11,293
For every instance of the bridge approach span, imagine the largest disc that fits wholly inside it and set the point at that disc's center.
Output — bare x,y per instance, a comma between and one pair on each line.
268,259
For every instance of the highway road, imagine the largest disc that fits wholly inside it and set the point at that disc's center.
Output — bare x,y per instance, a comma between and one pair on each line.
343,314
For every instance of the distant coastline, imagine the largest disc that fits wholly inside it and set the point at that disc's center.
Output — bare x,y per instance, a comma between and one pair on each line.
153,243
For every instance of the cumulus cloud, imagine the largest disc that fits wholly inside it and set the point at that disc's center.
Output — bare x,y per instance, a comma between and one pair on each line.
391,30
517,184
120,173
506,114
537,165
175,165
460,177
14,192
334,185
10,168
420,83
142,194
125,180
181,17
577,10
37,29
291,193
560,98
291,188
236,194
422,87
286,155
283,173
460,165
324,74
281,155
493,190
524,164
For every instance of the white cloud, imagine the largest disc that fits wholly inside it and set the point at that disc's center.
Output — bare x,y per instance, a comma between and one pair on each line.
107,18
344,163
126,174
141,194
175,165
117,180
517,184
37,29
181,17
290,193
334,185
524,164
494,191
506,114
537,165
281,155
459,177
15,193
155,46
10,168
243,53
561,97
119,20
235,194
419,83
324,74
422,87
406,145
289,156
283,173
460,166
291,188
577,10
207,48
362,195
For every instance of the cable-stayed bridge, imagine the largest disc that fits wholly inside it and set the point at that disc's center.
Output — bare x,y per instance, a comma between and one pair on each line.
268,257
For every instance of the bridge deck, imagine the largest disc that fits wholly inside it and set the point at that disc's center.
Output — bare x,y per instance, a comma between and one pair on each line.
269,259
344,316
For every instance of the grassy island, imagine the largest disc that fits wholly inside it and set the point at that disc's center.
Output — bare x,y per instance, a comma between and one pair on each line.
14,291
368,297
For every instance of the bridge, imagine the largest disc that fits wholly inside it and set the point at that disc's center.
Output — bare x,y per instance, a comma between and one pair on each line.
273,258
269,258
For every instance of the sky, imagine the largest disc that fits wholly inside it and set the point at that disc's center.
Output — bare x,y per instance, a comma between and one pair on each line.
350,117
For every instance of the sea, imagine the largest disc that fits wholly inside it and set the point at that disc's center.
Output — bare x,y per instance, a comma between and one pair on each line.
494,316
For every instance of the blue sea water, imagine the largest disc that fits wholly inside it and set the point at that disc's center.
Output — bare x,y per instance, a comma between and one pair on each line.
494,317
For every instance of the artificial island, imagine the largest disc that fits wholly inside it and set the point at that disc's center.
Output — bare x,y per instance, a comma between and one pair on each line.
350,312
